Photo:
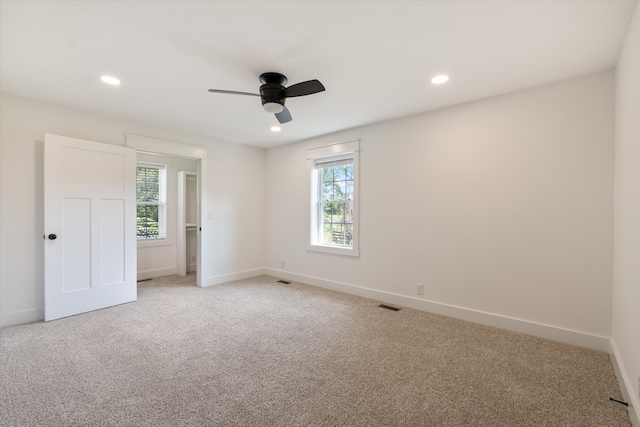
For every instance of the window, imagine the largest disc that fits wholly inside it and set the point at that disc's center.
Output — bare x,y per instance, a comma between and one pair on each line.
334,202
151,198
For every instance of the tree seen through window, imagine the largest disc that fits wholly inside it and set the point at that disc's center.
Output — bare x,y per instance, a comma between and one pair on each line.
150,197
336,205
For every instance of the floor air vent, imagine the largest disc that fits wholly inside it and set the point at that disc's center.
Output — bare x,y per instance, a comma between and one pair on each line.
284,281
388,307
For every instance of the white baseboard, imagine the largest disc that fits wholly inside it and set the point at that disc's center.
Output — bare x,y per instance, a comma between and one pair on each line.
625,384
150,274
21,317
230,277
554,333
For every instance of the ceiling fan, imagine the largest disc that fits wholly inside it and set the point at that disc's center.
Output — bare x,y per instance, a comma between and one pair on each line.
273,93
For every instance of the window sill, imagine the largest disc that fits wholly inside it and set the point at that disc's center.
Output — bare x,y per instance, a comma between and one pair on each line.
335,250
153,243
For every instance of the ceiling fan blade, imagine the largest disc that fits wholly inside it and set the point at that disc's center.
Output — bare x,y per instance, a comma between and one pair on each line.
284,116
232,92
305,88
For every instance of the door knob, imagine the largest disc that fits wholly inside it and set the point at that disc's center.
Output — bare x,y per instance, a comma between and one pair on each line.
52,237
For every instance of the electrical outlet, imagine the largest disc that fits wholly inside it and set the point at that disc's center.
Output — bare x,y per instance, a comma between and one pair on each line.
282,265
193,258
420,289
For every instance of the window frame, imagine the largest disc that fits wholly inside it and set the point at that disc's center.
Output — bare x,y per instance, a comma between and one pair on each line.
332,152
162,205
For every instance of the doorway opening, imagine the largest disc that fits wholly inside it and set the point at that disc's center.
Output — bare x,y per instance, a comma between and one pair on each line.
182,252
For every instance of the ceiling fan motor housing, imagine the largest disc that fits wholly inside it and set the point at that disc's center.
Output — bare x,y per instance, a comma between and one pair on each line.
272,92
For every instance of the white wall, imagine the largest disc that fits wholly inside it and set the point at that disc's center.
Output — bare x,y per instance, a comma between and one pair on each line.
502,208
235,194
160,258
626,284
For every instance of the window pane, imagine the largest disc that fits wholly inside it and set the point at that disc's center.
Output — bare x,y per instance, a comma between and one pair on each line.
326,235
327,211
151,197
337,223
327,174
337,183
147,221
349,172
349,190
327,191
337,213
147,184
340,190
348,213
337,234
348,234
333,212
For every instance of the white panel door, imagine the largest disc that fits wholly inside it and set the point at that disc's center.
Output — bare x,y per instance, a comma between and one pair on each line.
89,224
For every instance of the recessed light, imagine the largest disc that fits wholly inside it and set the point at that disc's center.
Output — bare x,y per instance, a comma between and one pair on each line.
276,128
110,80
437,80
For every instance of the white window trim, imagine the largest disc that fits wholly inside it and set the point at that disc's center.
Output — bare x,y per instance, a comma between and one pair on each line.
165,241
340,149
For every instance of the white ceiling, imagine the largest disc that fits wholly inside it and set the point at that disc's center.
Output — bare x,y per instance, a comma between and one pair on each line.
375,58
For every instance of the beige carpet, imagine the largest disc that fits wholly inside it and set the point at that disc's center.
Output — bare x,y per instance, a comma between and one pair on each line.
261,353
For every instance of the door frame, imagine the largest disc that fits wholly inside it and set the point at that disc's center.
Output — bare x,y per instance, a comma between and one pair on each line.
181,228
157,146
